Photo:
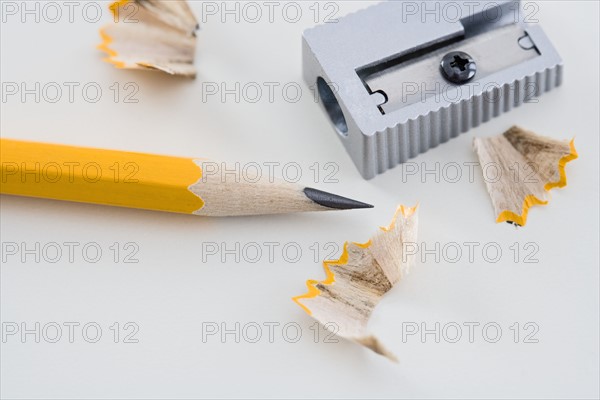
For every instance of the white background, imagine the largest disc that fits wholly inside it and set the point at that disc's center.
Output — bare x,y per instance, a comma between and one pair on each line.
171,293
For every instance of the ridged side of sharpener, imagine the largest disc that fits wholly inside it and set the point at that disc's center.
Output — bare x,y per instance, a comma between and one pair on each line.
435,131
477,115
466,109
382,151
396,145
393,150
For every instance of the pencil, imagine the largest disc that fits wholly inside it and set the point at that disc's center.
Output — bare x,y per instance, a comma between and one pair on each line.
150,182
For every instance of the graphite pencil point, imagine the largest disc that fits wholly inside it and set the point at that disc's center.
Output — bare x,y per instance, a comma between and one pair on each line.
333,200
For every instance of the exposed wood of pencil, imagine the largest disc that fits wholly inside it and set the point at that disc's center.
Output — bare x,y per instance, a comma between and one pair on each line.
147,181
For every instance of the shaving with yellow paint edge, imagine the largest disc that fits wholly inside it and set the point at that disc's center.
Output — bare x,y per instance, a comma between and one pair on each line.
151,35
356,282
528,166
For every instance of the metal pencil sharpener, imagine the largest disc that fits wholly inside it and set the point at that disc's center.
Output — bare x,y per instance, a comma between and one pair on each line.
401,77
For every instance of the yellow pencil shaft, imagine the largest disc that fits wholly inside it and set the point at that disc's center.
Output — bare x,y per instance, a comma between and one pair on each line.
97,176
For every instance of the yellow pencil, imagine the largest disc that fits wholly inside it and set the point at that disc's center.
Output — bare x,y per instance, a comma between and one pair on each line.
151,182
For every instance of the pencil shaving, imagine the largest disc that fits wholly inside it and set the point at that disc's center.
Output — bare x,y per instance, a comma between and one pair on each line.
528,166
357,281
151,35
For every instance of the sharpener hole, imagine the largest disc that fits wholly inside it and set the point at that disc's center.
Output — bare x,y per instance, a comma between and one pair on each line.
332,107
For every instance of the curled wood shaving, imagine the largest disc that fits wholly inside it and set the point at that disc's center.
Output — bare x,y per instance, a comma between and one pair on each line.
357,281
151,35
526,167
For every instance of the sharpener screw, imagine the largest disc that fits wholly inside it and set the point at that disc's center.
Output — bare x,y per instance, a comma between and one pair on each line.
458,67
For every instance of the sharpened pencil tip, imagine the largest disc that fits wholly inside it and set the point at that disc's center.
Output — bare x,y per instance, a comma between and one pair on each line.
333,200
